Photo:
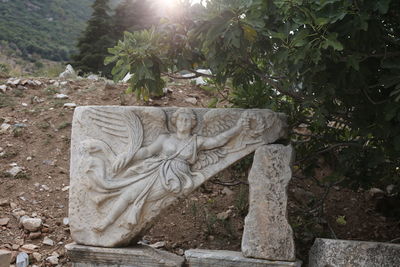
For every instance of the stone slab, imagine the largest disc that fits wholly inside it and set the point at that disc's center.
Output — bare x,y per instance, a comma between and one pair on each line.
267,233
138,256
226,258
5,258
129,163
335,253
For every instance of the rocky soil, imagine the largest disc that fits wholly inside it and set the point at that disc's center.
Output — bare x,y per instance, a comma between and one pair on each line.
35,126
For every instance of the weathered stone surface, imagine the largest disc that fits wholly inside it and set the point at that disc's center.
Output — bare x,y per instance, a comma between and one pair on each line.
267,233
212,258
335,253
31,224
128,163
139,256
5,258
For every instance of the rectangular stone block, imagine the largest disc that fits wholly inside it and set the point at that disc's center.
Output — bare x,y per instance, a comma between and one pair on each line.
335,253
138,256
5,258
225,258
267,233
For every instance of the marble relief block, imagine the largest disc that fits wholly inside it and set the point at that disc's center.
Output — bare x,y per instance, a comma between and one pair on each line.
129,163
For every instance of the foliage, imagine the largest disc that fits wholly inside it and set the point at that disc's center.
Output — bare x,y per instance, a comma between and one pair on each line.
104,28
332,66
45,27
97,37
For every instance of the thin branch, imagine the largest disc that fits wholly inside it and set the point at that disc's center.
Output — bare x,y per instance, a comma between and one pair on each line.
371,100
327,149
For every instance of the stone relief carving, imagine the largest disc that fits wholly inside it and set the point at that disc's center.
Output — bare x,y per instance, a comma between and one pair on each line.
127,164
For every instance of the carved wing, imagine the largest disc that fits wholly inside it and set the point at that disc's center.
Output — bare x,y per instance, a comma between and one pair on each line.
214,123
124,129
154,123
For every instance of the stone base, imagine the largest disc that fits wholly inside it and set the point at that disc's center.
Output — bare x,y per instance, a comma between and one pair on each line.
225,258
138,256
335,253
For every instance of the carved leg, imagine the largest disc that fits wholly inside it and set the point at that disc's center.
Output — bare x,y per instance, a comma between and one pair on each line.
119,206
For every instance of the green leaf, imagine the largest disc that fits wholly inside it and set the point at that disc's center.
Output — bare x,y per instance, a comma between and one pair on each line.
331,40
383,6
353,61
322,21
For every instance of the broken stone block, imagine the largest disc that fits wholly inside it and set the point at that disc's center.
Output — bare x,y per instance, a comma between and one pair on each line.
144,256
213,258
130,163
335,253
267,233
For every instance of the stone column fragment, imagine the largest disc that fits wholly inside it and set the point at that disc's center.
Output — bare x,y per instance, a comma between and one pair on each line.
267,233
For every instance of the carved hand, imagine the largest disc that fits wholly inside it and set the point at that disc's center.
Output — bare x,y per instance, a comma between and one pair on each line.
121,161
244,122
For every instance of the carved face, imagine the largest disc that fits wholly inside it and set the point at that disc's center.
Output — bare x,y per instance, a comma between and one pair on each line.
184,122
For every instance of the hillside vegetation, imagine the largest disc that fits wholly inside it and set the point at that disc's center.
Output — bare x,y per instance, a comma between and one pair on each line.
48,28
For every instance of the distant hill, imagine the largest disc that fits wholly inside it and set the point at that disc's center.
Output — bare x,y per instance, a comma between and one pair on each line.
49,28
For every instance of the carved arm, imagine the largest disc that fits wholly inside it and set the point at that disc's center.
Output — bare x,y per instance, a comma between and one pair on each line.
143,153
222,138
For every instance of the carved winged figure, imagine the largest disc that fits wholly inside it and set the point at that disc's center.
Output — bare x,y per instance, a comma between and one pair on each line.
147,163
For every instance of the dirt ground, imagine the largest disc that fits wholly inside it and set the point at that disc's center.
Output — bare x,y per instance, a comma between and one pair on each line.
36,143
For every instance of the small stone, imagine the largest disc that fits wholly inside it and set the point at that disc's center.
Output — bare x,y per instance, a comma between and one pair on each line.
223,215
29,158
61,96
110,85
226,191
37,256
159,244
13,205
93,77
52,260
65,188
45,187
3,88
31,224
22,260
191,100
17,213
180,252
24,104
4,127
4,221
35,235
48,241
68,73
29,248
49,162
69,105
4,202
15,246
14,171
390,188
66,221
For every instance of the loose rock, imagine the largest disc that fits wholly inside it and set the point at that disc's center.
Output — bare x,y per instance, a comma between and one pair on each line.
4,221
48,241
31,224
14,171
22,260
